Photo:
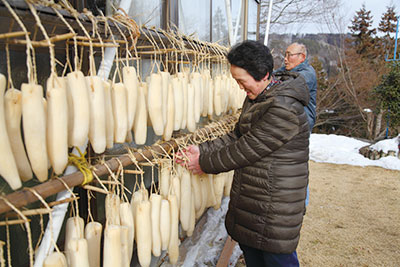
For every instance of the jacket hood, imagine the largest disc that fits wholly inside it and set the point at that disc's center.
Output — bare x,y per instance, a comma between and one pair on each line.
292,85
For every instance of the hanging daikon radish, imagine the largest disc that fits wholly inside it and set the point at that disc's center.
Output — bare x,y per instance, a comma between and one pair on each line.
196,189
143,235
217,95
77,253
120,112
55,259
13,113
125,247
210,97
2,260
232,95
192,223
228,183
137,197
155,102
204,194
34,123
45,114
97,123
126,218
169,125
155,202
74,229
140,123
224,93
112,203
57,123
211,200
112,256
131,83
195,79
165,177
218,182
176,186
165,88
206,84
165,223
191,122
173,245
184,79
93,237
79,107
185,200
108,115
178,103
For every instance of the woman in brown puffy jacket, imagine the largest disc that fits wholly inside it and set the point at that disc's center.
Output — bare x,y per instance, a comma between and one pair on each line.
268,149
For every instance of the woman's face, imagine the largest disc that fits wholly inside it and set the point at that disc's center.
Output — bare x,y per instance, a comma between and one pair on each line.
246,82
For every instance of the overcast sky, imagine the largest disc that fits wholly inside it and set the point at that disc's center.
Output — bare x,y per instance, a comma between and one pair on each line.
349,8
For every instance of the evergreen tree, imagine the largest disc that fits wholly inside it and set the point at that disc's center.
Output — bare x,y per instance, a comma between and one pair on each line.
388,93
387,25
361,31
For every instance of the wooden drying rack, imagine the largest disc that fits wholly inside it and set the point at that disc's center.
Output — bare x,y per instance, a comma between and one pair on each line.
24,197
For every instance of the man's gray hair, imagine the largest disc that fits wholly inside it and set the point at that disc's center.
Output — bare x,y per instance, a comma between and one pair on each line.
302,48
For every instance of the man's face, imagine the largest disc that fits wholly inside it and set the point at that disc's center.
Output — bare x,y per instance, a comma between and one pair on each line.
246,82
293,57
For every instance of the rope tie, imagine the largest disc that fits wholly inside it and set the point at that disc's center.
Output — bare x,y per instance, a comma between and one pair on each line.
81,163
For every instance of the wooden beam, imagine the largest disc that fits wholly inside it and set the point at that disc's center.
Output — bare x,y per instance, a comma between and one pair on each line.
226,253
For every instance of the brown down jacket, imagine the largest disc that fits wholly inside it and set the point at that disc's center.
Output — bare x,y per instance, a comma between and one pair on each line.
268,149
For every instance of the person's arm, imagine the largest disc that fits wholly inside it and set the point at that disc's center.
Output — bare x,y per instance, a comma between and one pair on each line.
275,127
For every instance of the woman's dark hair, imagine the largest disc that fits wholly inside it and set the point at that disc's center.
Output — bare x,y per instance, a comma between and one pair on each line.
252,56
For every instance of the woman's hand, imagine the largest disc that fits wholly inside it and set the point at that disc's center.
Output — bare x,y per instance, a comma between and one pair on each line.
192,154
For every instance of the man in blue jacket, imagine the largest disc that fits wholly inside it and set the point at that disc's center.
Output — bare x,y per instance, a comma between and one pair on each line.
296,61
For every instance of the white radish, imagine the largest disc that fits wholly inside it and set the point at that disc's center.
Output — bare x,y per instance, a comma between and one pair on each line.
170,113
126,219
173,245
196,189
143,235
155,103
140,123
206,84
165,223
228,183
57,123
2,260
203,179
77,253
93,231
195,79
120,112
55,259
218,182
125,247
165,177
131,83
191,123
217,95
97,123
112,205
74,229
184,79
192,222
210,97
78,107
211,200
112,256
13,114
176,187
178,103
185,200
165,93
155,201
108,115
34,123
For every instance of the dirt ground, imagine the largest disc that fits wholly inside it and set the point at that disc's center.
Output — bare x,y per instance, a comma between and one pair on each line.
353,218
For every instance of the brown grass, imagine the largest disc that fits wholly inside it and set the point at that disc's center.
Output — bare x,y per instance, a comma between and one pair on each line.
353,218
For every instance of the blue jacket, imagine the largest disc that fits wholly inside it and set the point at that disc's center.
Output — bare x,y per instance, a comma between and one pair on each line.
309,75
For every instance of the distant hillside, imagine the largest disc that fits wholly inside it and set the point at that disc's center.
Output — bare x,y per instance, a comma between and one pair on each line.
324,46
